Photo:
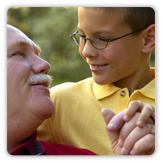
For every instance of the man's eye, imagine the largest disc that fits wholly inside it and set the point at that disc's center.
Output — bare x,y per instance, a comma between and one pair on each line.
20,54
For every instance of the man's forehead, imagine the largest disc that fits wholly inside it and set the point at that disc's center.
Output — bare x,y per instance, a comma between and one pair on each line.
17,38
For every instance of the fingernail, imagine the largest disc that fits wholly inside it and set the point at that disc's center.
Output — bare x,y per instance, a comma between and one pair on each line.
120,143
123,151
132,152
104,113
111,126
153,130
126,118
140,123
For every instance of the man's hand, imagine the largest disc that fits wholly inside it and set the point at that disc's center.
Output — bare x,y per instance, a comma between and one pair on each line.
147,113
127,138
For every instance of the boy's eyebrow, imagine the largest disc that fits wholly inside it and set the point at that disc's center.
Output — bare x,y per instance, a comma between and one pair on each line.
79,29
100,31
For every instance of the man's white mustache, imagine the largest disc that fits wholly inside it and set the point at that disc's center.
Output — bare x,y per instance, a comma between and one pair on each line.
41,79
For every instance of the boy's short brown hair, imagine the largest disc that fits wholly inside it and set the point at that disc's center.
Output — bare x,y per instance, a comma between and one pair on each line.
135,17
139,17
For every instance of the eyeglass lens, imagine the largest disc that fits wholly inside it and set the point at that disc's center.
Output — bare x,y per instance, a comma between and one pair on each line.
96,41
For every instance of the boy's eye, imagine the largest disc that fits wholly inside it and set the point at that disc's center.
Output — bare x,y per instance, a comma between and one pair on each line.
82,35
102,39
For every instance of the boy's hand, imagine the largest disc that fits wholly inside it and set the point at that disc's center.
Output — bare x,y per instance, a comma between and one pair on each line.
137,140
147,112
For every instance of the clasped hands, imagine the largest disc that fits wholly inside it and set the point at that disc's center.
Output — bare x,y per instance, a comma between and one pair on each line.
132,131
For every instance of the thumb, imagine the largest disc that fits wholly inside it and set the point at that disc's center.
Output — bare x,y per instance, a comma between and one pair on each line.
113,135
113,121
107,115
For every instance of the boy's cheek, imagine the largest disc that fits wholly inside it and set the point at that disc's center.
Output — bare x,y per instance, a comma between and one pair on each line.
81,53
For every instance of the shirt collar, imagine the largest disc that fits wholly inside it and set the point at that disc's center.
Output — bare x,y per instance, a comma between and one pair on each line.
33,145
102,91
149,90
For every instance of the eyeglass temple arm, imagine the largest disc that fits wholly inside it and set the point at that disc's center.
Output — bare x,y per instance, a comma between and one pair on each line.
74,33
108,40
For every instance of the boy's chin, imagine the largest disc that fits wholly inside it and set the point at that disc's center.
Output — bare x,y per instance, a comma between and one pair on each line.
99,81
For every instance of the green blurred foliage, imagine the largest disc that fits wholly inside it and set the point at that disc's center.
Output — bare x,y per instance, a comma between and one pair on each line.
50,27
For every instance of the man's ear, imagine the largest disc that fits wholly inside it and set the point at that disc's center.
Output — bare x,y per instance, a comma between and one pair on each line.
149,39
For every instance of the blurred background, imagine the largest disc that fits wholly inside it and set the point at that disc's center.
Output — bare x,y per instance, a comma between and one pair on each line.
50,27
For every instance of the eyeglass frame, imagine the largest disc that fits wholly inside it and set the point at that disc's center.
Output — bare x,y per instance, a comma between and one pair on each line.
105,39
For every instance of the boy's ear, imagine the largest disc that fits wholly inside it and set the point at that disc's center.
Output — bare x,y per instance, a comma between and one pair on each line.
149,39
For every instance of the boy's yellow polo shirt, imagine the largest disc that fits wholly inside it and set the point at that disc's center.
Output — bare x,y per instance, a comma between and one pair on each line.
77,120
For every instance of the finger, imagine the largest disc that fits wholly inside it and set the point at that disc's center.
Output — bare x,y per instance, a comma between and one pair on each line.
145,145
133,107
153,130
116,122
134,136
127,128
147,112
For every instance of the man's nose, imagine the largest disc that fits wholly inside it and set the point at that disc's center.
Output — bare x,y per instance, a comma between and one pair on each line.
41,66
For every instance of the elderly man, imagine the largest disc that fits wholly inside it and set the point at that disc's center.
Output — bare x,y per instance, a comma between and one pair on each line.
29,104
28,101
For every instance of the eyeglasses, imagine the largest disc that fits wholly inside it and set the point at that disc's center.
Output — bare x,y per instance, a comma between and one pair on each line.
97,42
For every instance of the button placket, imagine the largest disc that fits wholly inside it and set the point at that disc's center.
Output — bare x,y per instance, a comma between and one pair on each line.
122,99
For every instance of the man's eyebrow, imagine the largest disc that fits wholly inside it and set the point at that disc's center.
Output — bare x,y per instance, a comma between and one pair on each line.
22,43
37,49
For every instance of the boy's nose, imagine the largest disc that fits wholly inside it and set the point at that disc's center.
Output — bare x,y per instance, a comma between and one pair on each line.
89,51
41,66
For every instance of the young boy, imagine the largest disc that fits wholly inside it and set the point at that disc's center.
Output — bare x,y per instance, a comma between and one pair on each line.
116,43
